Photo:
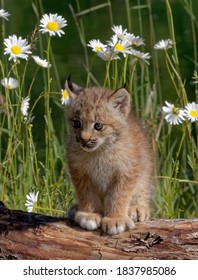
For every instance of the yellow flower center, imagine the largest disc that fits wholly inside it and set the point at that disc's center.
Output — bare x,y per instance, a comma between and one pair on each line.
98,49
52,26
194,113
16,50
119,47
65,94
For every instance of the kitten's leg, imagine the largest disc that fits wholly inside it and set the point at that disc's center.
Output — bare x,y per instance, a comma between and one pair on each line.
89,212
116,219
139,209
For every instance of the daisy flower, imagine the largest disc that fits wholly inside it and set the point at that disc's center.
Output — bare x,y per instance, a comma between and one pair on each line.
16,47
191,111
108,54
164,44
41,62
31,200
65,97
52,24
173,115
135,40
96,45
141,55
121,34
120,46
4,14
9,83
25,106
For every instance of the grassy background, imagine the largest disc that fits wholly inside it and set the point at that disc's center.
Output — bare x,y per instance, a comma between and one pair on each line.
32,157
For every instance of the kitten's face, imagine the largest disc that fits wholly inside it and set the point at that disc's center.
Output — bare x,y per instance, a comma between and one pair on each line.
96,121
90,134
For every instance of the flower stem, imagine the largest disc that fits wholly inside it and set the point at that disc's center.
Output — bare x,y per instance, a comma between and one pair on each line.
107,77
48,209
48,140
181,85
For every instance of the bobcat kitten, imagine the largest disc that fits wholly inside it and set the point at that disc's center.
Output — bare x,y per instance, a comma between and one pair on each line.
109,158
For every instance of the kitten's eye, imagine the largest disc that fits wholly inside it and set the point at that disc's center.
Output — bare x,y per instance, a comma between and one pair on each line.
98,126
76,124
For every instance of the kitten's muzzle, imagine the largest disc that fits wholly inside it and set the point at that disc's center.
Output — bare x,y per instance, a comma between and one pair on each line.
88,143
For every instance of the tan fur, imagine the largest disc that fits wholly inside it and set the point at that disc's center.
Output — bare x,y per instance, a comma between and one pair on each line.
111,168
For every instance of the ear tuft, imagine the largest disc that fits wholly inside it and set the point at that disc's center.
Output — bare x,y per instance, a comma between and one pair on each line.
72,89
69,83
120,100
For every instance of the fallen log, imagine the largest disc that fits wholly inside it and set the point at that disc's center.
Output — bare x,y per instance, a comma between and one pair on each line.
34,236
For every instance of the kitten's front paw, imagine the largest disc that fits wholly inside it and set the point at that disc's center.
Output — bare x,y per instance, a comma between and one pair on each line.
139,213
89,221
115,226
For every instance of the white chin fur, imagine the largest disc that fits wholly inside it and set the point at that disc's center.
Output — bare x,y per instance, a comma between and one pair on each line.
86,149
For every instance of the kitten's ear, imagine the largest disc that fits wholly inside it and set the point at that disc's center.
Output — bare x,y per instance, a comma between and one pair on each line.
120,100
72,89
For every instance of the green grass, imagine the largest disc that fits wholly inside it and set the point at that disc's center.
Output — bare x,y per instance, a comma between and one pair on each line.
25,168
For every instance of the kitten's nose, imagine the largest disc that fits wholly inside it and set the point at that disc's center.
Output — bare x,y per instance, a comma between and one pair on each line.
85,137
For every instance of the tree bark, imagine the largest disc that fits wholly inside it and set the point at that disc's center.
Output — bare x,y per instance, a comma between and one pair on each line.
34,236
